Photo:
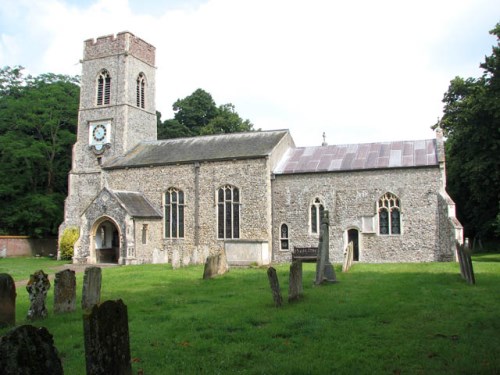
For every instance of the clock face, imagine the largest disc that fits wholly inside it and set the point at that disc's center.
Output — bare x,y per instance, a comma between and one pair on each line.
99,133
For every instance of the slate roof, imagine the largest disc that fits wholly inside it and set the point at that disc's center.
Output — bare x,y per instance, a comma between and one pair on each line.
365,156
204,148
136,204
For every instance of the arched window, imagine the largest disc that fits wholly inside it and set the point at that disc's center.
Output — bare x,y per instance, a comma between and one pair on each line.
174,213
141,86
228,212
389,214
317,209
103,88
284,244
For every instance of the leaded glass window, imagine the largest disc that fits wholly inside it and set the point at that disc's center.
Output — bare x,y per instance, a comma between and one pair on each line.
389,214
317,209
284,244
174,213
228,212
103,88
141,87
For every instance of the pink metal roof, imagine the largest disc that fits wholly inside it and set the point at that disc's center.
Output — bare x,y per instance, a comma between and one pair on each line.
337,158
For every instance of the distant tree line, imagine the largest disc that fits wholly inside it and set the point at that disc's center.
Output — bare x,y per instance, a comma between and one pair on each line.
38,121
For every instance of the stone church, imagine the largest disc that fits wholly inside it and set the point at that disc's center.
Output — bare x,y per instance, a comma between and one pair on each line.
255,195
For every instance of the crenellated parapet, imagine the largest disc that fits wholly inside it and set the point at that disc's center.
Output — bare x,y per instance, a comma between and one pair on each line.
121,43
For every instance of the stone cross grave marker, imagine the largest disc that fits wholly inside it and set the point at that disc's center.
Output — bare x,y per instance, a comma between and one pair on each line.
38,286
65,291
29,350
91,291
106,336
275,286
295,289
324,269
7,300
215,265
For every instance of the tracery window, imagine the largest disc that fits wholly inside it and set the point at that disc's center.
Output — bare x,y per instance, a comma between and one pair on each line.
103,88
317,209
228,212
284,242
389,214
141,87
174,213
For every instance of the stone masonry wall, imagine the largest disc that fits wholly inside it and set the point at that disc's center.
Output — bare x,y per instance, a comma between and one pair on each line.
351,196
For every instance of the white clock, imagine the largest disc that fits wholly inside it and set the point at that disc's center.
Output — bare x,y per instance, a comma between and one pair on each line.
99,133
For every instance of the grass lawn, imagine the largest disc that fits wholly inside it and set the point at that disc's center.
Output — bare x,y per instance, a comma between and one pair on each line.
379,319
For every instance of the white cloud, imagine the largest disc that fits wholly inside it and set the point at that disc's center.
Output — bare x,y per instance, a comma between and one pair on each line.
360,70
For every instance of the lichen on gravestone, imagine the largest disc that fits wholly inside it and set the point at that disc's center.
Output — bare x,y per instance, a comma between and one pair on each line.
37,287
91,291
65,291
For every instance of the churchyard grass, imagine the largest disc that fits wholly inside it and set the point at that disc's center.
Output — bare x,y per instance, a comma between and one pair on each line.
20,268
379,319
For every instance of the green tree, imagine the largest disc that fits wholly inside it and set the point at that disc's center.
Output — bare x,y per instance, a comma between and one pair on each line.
197,114
471,123
38,118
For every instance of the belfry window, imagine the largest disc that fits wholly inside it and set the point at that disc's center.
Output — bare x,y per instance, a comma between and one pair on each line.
228,212
284,242
317,209
103,88
141,87
174,213
389,214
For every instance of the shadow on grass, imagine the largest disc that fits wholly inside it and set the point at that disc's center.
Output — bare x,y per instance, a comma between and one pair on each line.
486,257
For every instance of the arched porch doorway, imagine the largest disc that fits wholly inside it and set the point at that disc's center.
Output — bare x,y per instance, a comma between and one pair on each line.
353,235
106,241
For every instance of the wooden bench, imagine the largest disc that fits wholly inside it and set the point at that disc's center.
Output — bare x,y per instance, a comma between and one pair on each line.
305,254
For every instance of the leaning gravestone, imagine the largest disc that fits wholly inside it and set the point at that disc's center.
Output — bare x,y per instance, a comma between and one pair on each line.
107,348
65,291
7,300
38,286
275,286
215,265
295,281
91,292
27,350
324,269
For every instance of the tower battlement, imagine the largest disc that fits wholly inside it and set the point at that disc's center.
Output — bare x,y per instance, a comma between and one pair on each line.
121,43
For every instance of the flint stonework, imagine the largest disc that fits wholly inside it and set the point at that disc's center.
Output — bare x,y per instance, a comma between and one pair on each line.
295,289
106,336
91,291
7,300
215,265
65,291
27,350
38,286
275,286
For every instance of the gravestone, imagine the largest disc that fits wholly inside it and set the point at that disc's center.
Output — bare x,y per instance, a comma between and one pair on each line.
465,261
3,252
215,265
324,269
38,286
65,291
106,335
275,286
295,281
29,350
348,257
91,291
7,300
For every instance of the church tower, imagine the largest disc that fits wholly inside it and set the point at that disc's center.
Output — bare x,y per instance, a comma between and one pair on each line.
117,111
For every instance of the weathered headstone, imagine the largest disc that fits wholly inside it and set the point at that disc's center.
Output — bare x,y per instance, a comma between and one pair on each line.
348,257
65,291
106,335
29,350
324,269
91,291
7,300
38,286
465,261
3,252
295,281
215,265
275,286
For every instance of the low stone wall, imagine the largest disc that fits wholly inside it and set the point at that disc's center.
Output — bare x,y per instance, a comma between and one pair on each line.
19,246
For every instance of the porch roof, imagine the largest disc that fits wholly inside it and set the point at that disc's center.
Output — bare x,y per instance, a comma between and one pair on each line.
136,204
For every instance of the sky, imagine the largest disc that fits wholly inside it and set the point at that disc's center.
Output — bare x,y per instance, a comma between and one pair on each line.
357,70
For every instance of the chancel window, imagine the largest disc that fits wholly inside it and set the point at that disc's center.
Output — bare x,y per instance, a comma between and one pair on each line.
141,87
284,242
228,212
174,213
103,88
317,209
389,214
